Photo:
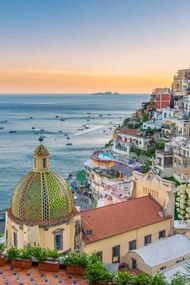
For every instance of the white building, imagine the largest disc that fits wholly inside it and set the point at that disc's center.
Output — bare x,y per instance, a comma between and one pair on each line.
124,141
161,254
186,104
163,163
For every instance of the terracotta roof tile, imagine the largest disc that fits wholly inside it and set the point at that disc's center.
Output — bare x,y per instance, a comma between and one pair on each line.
121,217
133,132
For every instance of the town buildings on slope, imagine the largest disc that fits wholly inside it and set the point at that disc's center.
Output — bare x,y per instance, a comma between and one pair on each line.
133,182
43,213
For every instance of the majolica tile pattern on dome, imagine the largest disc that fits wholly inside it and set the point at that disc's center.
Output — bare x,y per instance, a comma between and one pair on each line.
42,196
41,150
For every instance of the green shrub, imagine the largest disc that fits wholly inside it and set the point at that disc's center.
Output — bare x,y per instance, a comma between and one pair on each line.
158,279
13,253
123,278
39,253
2,248
54,254
96,273
25,253
179,279
74,258
141,279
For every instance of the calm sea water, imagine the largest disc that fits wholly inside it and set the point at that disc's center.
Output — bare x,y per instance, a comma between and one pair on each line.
24,113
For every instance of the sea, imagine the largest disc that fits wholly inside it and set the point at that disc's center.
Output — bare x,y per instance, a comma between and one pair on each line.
86,122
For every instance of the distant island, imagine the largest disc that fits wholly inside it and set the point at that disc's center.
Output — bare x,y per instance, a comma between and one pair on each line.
106,93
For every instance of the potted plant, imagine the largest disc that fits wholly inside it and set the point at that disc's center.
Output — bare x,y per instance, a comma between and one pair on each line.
141,279
123,278
75,263
47,259
20,258
2,256
97,274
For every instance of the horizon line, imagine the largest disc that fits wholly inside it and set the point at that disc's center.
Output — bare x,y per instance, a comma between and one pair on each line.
75,93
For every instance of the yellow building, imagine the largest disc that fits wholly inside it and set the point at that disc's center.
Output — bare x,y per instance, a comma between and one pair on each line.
113,230
162,190
42,213
42,210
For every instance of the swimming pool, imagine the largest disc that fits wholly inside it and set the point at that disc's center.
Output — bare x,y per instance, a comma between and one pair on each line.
105,156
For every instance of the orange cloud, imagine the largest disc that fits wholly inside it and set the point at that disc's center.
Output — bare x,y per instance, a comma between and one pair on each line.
56,81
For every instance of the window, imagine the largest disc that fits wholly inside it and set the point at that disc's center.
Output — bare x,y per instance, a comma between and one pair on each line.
133,263
132,244
58,240
116,254
35,162
15,240
147,239
99,254
44,162
161,234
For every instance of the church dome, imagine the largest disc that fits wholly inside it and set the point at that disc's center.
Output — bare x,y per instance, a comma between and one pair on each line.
42,195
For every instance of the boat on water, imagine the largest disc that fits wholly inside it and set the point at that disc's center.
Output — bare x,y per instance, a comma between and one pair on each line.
1,128
62,119
42,130
2,122
68,144
80,129
31,117
68,138
88,113
108,114
12,132
60,131
86,127
100,115
33,128
57,116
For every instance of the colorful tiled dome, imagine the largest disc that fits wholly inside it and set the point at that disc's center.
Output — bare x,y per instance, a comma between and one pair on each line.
42,196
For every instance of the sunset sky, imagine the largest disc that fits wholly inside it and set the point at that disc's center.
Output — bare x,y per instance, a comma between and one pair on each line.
82,46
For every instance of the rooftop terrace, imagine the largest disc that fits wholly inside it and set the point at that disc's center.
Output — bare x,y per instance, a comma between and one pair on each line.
33,276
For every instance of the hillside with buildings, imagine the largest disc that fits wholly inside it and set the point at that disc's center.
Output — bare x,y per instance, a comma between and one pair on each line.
138,184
